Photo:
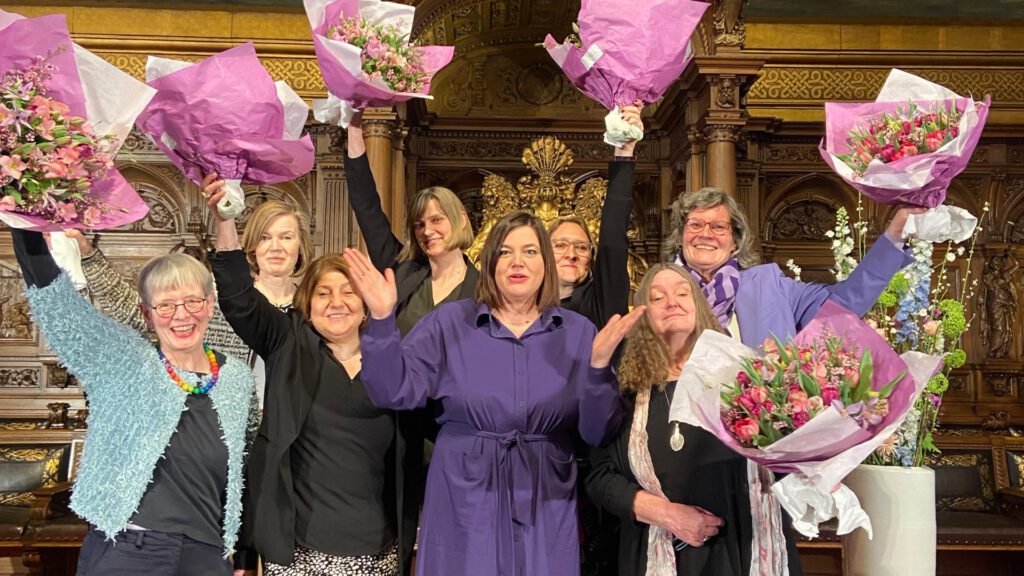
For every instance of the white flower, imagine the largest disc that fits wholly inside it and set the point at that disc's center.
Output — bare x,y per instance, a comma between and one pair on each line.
960,251
829,234
950,256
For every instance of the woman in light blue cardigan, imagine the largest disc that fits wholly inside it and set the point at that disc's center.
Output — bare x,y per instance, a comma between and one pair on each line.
161,477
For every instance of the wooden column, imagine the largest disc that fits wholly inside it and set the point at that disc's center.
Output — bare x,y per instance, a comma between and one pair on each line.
722,156
695,163
378,129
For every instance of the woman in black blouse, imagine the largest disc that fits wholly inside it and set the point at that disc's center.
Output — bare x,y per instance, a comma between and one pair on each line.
680,494
310,509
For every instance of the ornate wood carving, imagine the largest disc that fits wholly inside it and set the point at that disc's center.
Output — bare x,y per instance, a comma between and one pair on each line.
20,377
57,376
999,296
730,30
808,220
1003,383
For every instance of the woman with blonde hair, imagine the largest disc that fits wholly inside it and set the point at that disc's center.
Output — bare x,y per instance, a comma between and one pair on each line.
680,494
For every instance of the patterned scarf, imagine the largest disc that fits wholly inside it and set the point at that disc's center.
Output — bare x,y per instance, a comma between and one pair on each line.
661,556
721,290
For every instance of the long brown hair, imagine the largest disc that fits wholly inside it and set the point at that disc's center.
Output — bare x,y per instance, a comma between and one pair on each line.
487,288
645,359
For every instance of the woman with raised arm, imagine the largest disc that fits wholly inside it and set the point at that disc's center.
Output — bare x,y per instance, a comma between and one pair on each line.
325,473
160,481
593,280
517,377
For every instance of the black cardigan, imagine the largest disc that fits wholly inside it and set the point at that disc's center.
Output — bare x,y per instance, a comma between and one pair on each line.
294,354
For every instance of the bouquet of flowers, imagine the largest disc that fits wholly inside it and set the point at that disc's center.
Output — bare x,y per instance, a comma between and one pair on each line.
225,114
780,392
905,148
919,311
618,56
840,357
367,58
63,115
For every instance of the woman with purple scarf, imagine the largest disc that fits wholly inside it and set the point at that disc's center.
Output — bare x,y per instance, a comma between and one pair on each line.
711,239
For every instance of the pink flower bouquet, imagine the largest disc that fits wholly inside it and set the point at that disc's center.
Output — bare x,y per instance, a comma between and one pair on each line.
906,147
64,113
366,56
225,114
775,413
623,54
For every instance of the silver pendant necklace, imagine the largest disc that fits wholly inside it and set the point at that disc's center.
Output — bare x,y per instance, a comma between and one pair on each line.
676,440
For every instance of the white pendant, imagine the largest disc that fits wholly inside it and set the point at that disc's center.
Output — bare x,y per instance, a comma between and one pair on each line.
677,440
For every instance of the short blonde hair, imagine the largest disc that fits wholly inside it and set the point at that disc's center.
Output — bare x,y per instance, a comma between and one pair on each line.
172,272
487,288
645,358
258,223
745,254
461,237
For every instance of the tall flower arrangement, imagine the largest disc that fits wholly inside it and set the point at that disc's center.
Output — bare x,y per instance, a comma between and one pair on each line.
386,53
919,311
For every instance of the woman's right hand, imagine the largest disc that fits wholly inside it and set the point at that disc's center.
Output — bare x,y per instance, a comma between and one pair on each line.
227,234
691,524
379,291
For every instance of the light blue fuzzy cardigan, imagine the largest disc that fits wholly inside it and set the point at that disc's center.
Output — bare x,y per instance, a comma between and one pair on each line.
134,409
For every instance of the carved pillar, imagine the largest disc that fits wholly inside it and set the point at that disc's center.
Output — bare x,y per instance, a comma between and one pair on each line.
399,199
378,129
695,163
722,156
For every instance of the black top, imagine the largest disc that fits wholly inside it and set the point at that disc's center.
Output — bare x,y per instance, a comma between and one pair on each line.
339,472
186,495
704,473
384,248
606,293
418,305
295,355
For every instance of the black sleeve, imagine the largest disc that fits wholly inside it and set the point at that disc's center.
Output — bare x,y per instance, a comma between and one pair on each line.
610,484
256,321
611,274
246,559
37,265
381,245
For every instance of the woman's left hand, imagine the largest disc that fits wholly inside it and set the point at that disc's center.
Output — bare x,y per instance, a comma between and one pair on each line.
899,220
379,291
608,339
631,114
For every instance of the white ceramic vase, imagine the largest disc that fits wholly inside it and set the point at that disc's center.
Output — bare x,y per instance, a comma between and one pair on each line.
901,504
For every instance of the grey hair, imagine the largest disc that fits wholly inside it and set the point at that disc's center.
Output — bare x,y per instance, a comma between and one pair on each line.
746,254
172,271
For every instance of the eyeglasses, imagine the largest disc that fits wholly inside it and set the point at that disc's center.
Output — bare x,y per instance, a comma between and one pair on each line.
581,249
695,226
167,309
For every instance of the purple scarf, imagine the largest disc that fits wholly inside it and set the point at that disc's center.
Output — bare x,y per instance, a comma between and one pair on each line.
721,290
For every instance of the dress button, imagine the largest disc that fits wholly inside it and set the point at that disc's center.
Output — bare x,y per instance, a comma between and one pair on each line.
516,538
521,403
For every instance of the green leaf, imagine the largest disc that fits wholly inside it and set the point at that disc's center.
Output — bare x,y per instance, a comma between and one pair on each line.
886,390
864,384
809,384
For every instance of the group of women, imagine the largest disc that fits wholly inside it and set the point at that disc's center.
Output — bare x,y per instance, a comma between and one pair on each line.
362,358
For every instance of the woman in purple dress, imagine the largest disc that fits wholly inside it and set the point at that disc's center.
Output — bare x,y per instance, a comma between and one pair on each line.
517,377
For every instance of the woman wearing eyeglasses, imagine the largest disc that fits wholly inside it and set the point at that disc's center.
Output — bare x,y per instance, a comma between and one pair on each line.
594,281
711,239
160,482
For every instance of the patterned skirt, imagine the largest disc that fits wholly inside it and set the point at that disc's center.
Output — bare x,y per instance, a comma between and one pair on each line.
309,562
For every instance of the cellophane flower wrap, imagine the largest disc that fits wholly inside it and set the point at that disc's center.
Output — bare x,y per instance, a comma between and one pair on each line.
225,114
364,52
622,54
821,451
64,113
906,147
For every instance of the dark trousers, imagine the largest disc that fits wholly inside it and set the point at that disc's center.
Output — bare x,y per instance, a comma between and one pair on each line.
152,553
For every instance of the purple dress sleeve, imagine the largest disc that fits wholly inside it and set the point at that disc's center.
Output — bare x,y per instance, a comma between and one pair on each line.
857,293
402,375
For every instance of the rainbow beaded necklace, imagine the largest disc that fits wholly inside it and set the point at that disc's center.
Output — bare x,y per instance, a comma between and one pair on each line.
214,373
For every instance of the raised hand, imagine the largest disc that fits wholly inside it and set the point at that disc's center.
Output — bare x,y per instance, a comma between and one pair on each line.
608,339
631,114
895,229
379,291
84,246
213,191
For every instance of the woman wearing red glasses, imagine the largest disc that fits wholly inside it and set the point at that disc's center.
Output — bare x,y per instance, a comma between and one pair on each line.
711,239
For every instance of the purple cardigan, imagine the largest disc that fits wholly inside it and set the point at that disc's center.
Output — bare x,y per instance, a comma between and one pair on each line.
770,303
